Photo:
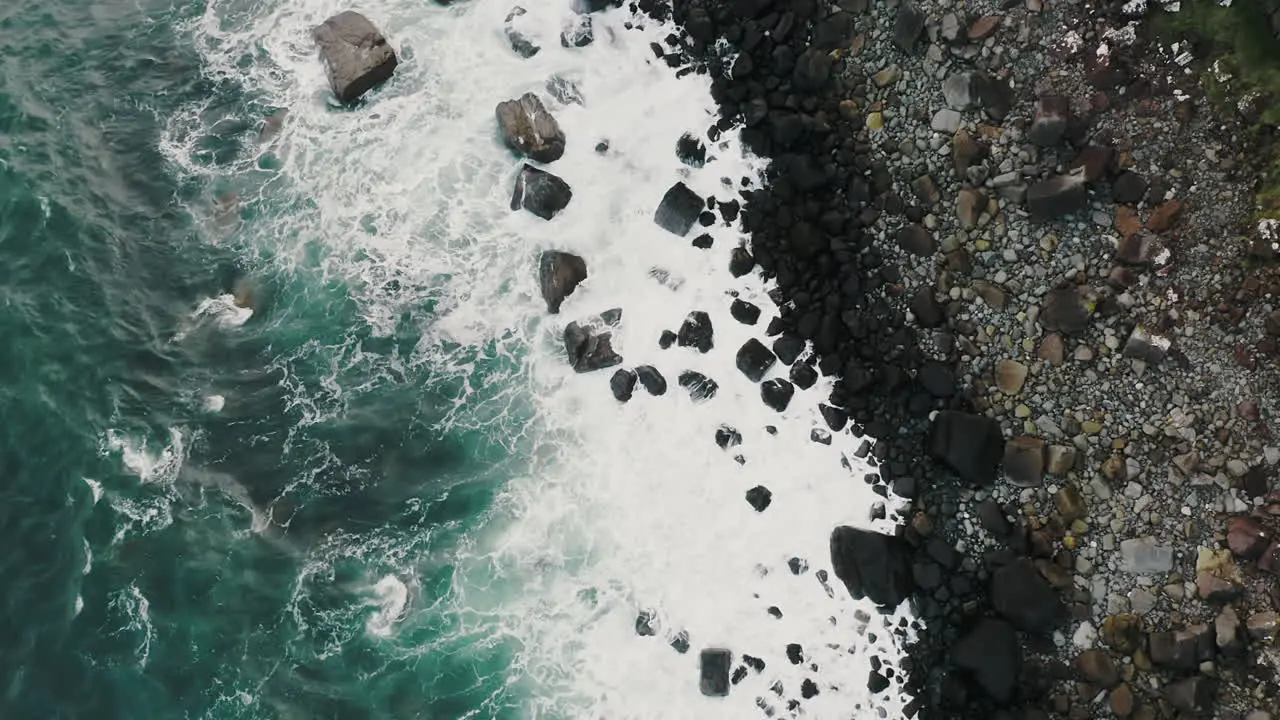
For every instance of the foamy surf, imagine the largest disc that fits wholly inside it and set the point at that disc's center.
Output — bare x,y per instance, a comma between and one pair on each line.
630,530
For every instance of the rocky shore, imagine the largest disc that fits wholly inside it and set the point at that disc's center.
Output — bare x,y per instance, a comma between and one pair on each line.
1024,237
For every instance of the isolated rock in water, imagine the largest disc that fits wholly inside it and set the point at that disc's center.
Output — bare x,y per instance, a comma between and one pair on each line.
651,379
540,192
755,360
759,498
577,32
516,29
971,445
872,565
691,151
714,672
744,312
1058,196
589,6
727,437
559,274
356,56
565,91
696,332
991,654
623,384
589,348
700,386
529,130
777,393
678,210
1024,598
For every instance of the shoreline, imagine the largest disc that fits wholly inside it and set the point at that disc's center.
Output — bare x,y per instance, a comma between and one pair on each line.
1031,217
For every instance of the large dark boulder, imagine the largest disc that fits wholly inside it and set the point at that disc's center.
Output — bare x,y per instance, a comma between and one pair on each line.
872,565
713,664
777,393
971,445
754,359
529,129
356,56
540,192
678,210
589,347
559,274
991,654
1021,594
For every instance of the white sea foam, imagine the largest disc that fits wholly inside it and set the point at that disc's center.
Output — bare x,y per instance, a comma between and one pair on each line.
624,508
222,310
150,508
215,403
392,599
132,613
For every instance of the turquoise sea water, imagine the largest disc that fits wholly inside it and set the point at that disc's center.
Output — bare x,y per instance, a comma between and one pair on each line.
330,435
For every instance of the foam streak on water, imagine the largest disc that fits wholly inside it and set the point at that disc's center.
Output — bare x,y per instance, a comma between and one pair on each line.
624,508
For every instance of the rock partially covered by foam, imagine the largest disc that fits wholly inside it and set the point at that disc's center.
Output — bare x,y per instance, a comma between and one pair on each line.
559,274
515,27
678,210
356,55
714,671
529,129
590,347
540,192
872,565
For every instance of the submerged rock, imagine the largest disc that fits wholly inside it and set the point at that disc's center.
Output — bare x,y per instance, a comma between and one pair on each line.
529,129
700,386
356,56
540,192
559,274
515,28
577,32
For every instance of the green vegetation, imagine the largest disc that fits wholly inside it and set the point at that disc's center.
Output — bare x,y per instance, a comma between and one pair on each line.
1238,55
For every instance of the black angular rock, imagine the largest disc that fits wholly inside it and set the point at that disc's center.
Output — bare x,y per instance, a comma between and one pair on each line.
833,32
727,437
937,379
577,32
777,393
907,27
700,386
991,655
1058,196
971,445
803,376
1194,695
558,275
528,129
589,348
835,417
1025,599
356,56
916,240
678,210
691,151
872,565
623,384
696,332
713,666
666,339
646,624
744,312
741,262
813,69
514,28
754,360
651,379
926,308
540,192
759,497
1053,113
680,643
788,348
1129,188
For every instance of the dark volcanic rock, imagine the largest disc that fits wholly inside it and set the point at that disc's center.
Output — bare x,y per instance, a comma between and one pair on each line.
356,56
577,32
1053,112
696,332
515,27
727,437
691,151
651,379
776,393
713,673
1194,695
1063,311
1129,188
623,384
908,26
991,654
540,192
871,565
1021,595
700,386
589,348
1058,196
759,497
559,274
971,445
755,360
678,210
917,240
744,312
741,262
1246,537
529,129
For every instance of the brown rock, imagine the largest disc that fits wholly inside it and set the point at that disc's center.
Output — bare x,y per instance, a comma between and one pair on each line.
1096,161
1114,469
1062,459
970,203
1024,461
1070,503
1164,216
1121,701
983,27
1052,349
1263,626
964,151
927,190
993,295
1055,574
1213,588
1246,537
1097,666
1122,633
1127,221
1270,560
1010,376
